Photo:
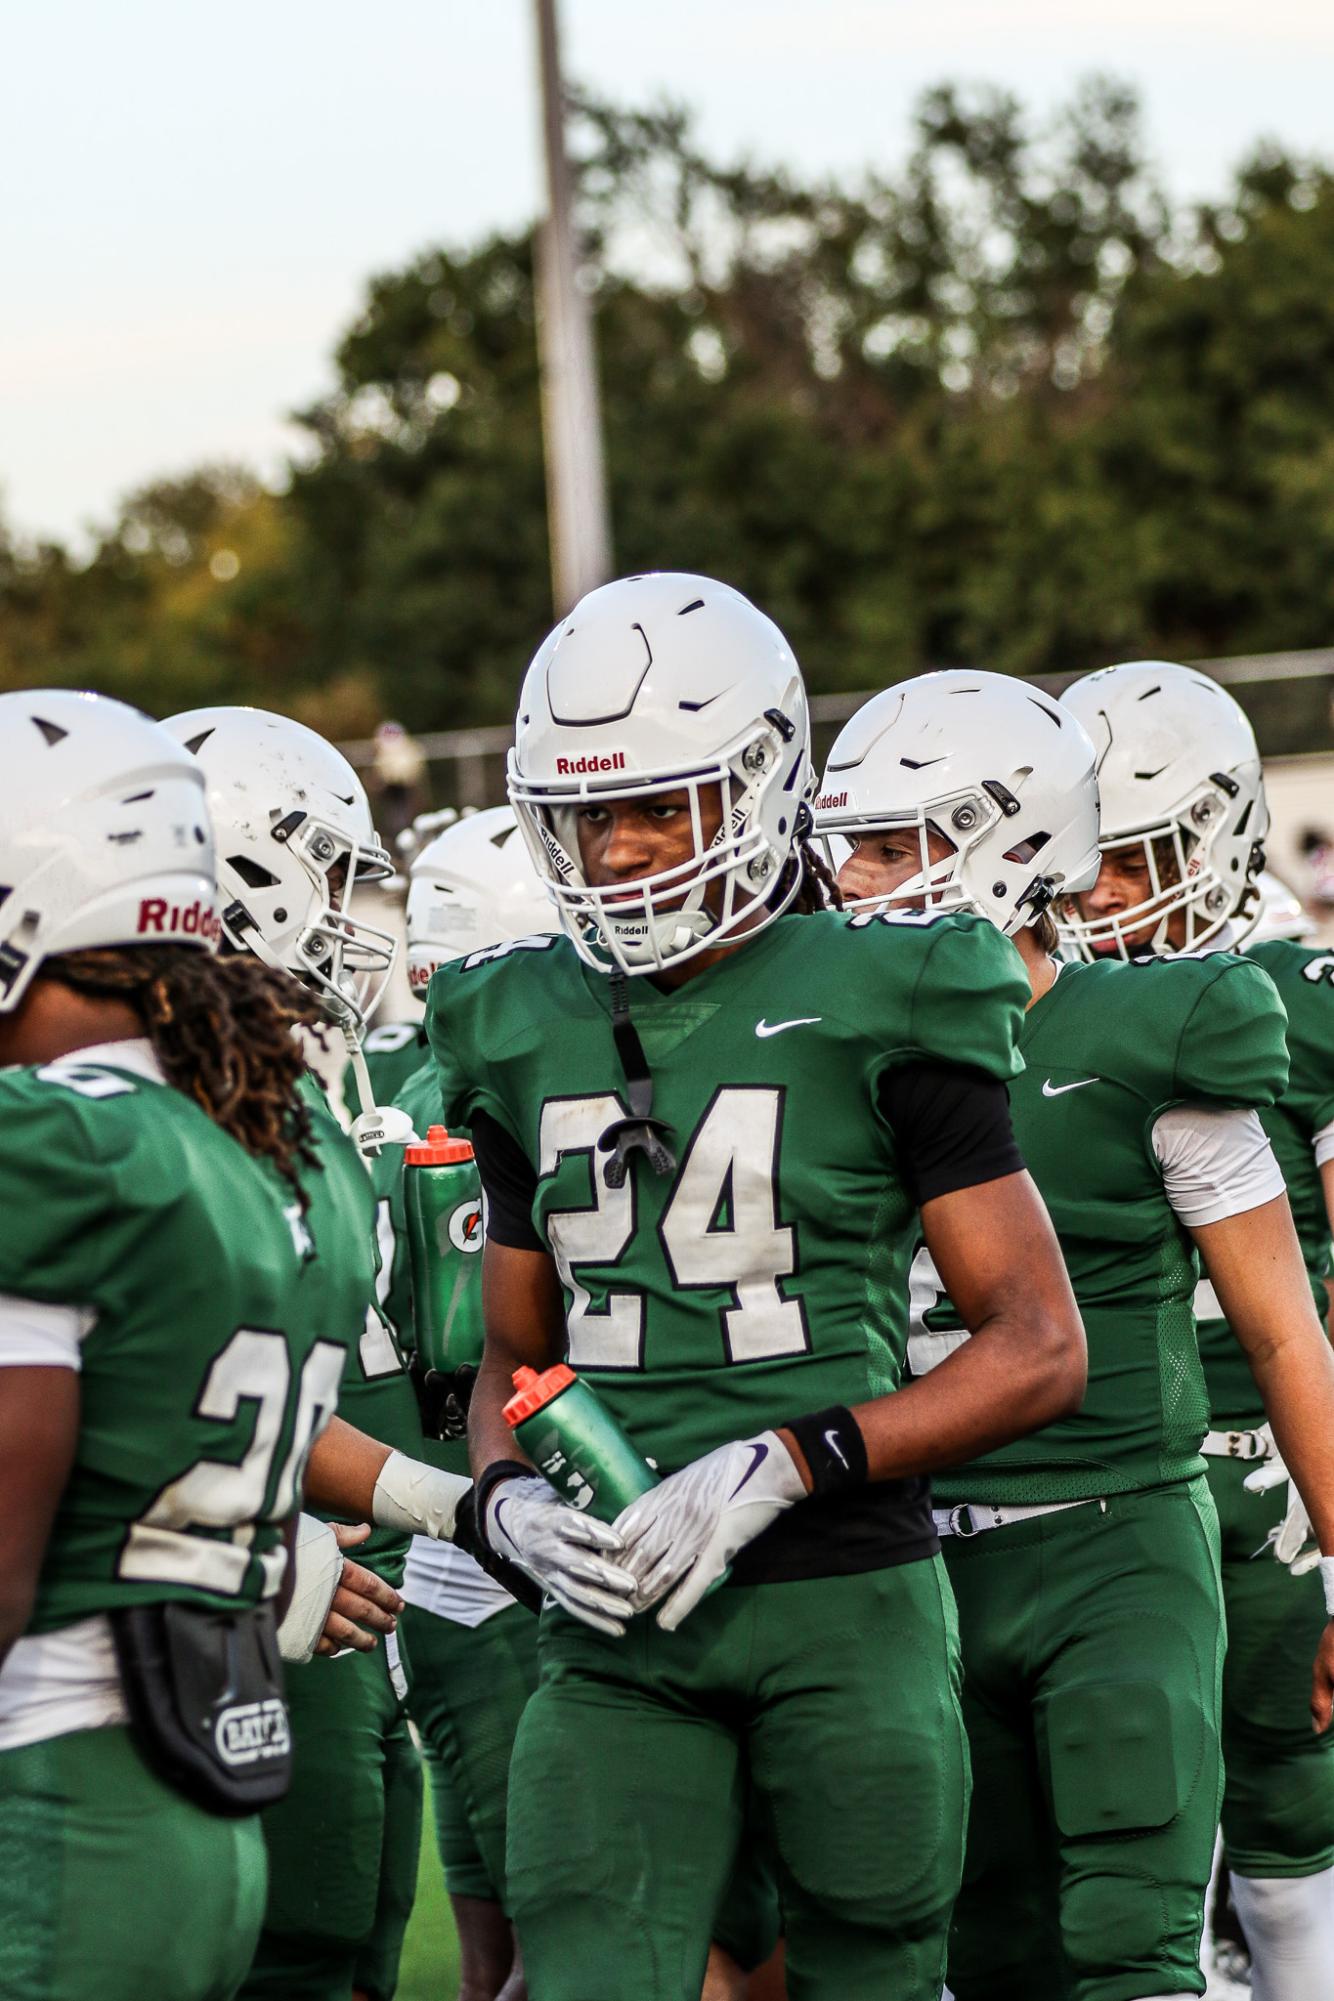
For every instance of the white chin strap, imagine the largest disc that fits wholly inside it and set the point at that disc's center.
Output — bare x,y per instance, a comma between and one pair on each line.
1289,1927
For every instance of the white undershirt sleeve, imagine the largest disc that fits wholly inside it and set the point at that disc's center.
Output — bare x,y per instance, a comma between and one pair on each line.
1323,1144
35,1334
1216,1163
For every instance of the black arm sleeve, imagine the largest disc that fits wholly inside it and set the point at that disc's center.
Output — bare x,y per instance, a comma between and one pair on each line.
509,1182
951,1125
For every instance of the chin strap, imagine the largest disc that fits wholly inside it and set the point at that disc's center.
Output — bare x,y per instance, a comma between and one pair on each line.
641,1129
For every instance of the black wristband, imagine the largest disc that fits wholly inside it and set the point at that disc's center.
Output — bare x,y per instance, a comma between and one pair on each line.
468,1536
834,1448
498,1470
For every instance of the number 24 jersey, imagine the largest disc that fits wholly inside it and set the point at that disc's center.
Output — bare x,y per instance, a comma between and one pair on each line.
766,1275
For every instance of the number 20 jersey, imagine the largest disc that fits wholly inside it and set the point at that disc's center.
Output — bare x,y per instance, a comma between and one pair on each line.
222,1324
767,1274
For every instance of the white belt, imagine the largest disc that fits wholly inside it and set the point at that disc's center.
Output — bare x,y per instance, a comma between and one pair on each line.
1235,1445
971,1517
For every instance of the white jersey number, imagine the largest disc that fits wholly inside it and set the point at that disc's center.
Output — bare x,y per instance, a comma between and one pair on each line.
720,1230
164,1545
926,1351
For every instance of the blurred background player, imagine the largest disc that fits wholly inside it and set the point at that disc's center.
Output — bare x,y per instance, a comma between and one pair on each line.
682,1183
469,1649
1085,1558
180,1277
1183,803
294,836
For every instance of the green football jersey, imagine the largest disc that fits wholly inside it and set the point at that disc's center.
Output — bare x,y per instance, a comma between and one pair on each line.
377,1394
394,1052
1304,976
1106,1050
223,1318
767,1275
420,1099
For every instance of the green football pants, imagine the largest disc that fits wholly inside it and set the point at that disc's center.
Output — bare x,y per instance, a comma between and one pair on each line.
112,1886
343,1844
1092,1652
467,1689
831,1703
1278,1800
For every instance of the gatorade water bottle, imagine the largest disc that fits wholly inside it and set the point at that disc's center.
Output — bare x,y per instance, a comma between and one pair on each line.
569,1433
442,1199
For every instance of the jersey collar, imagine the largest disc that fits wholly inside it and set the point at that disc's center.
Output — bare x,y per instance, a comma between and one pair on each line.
134,1053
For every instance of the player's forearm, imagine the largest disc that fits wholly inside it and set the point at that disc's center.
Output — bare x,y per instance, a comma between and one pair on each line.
1016,1374
342,1470
1255,1265
522,1305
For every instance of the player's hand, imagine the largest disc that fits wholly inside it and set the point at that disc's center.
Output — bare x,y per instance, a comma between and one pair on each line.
363,1604
1322,1681
681,1536
1291,1540
572,1556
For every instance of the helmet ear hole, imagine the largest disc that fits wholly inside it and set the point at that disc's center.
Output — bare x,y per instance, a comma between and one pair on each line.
251,873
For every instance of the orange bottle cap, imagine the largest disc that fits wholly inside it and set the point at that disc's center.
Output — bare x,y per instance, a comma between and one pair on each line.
436,1150
534,1391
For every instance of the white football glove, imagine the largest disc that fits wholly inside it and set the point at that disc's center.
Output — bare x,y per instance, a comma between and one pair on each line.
1289,1540
681,1536
572,1556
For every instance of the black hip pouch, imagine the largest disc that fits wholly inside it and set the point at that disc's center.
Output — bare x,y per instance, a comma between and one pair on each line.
204,1691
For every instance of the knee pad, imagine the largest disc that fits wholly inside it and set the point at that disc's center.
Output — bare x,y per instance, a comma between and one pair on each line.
1289,1927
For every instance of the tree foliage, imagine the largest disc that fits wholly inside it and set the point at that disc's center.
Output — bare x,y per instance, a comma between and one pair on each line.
1004,406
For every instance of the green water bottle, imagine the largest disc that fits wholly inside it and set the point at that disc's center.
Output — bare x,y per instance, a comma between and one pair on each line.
568,1432
442,1199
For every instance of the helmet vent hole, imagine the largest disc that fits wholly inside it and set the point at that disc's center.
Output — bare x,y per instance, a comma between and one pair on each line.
194,744
51,731
698,605
251,873
136,798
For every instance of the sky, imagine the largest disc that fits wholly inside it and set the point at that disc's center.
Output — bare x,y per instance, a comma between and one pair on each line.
196,195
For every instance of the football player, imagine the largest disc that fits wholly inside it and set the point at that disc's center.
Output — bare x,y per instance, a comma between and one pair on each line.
706,1119
181,1274
294,837
1184,816
470,1651
1085,1558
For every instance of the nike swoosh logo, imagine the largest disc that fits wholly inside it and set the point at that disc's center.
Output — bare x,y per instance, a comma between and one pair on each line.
763,1028
761,1453
831,1440
1050,1090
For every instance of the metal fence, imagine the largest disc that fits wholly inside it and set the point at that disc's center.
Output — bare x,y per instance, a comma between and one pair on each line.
1288,696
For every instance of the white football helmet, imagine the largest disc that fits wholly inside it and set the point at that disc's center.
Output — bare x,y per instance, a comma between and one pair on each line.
1181,780
104,834
472,886
294,838
990,763
652,684
1281,913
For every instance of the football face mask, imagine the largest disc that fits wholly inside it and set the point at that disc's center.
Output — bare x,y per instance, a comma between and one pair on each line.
727,874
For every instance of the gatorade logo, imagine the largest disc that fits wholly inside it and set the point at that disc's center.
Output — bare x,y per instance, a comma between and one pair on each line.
578,767
465,1226
178,920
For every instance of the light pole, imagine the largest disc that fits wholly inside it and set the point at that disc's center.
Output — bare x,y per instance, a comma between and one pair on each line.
571,413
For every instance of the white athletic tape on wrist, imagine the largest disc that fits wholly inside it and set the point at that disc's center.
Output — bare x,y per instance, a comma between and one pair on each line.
417,1499
317,1570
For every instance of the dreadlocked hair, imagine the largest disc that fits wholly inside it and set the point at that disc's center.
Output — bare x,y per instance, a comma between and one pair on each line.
818,889
222,1029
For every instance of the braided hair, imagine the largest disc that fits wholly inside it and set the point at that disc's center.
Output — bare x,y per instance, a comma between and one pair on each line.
223,1031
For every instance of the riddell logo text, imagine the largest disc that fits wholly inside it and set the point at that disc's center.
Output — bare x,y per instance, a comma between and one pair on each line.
828,800
576,767
188,920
